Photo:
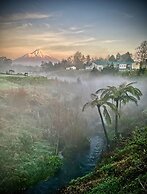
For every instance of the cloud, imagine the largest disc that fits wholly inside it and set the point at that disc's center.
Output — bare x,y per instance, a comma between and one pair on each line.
28,16
35,36
70,32
75,30
79,31
71,44
111,41
47,25
83,42
25,25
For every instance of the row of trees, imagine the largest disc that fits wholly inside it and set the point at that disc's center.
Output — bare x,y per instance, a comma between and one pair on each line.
5,64
113,97
80,61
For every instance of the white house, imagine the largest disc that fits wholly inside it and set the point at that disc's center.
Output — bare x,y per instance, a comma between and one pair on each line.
94,65
135,65
122,66
125,66
72,67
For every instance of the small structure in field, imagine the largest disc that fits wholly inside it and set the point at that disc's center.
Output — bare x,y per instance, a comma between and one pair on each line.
94,65
11,72
71,68
135,65
26,74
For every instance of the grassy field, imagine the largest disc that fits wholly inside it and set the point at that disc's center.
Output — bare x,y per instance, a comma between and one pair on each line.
40,117
26,157
31,117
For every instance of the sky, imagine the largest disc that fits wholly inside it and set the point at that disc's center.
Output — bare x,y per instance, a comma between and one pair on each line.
62,27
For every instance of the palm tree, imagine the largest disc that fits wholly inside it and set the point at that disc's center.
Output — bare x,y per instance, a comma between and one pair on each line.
102,103
124,93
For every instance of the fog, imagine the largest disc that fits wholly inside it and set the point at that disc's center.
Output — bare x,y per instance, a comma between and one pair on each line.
89,84
71,90
42,114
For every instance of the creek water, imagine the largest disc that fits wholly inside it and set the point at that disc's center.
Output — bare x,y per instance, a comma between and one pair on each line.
79,166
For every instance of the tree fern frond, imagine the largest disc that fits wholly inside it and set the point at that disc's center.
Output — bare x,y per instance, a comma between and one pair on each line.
94,96
132,98
99,90
131,83
85,106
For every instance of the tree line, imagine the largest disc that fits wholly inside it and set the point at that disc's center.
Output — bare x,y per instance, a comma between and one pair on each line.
80,61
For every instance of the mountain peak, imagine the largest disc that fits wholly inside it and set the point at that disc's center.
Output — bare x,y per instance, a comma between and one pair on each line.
35,58
38,52
35,53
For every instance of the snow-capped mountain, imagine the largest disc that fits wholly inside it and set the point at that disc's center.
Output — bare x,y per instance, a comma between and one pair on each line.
34,58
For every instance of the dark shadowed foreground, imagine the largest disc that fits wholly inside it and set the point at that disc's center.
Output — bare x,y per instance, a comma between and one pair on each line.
79,166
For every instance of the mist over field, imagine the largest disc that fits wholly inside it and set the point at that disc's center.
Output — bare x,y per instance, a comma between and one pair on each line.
41,98
73,90
41,121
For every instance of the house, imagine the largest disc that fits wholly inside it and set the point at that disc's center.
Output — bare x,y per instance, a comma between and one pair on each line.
89,67
99,67
125,66
102,62
71,68
125,62
94,65
135,65
26,74
11,72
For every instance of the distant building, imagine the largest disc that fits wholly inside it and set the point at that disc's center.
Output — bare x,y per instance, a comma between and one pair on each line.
102,62
89,66
94,65
125,66
125,62
11,72
135,65
72,67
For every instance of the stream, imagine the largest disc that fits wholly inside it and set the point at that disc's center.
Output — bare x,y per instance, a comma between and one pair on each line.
81,165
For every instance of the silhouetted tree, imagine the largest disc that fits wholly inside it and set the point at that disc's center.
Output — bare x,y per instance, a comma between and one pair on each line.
47,66
118,56
5,64
102,103
78,60
141,52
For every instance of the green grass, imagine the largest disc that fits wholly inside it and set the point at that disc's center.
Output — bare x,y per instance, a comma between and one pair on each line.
24,80
5,84
121,171
25,164
26,157
28,130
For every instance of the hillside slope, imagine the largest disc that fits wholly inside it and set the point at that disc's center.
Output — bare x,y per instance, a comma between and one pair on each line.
122,171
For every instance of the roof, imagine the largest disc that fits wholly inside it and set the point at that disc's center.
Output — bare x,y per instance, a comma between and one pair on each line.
101,62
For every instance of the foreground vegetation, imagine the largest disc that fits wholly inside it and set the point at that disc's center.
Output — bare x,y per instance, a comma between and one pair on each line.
31,139
123,167
35,125
122,170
